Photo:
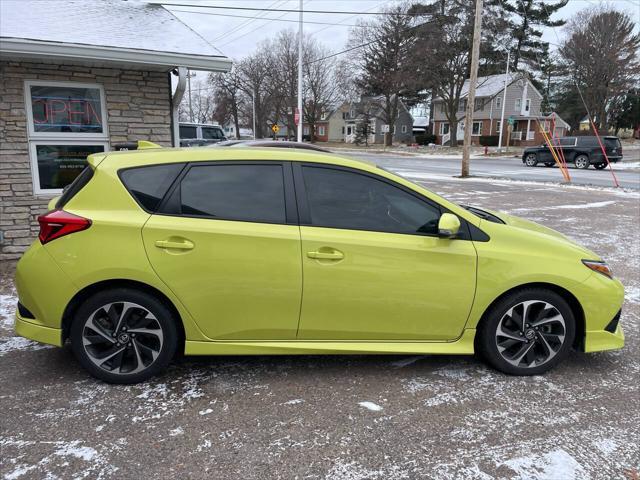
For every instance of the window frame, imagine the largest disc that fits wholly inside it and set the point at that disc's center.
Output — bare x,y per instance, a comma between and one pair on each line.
517,105
303,201
170,205
442,124
33,160
480,122
33,135
321,130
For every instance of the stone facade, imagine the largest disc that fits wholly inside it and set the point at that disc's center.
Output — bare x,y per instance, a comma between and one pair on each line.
138,104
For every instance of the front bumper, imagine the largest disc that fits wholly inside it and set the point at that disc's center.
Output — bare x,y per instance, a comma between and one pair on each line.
35,331
601,340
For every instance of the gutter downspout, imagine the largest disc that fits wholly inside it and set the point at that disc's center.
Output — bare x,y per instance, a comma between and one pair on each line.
176,99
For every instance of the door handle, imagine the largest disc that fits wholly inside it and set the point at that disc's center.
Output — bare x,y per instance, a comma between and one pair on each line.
183,245
334,255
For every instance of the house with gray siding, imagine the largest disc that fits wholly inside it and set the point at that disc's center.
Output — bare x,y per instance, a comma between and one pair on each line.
522,106
79,78
355,112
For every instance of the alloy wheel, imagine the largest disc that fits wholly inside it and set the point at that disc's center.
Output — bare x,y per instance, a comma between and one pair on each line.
582,162
530,333
122,338
531,160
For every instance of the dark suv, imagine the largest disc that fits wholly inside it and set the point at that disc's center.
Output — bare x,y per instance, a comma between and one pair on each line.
581,151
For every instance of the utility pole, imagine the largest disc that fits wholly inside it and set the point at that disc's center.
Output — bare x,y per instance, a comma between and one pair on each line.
300,122
471,95
504,102
253,103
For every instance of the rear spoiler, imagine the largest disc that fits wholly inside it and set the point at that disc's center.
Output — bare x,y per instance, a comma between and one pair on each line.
139,145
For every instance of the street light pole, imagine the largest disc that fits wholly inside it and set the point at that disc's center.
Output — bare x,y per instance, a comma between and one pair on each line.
471,96
189,75
300,122
253,103
504,101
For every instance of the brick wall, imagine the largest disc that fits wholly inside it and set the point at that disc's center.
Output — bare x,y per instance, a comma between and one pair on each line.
138,108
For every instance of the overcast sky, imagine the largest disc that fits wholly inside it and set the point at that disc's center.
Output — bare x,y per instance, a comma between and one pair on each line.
237,37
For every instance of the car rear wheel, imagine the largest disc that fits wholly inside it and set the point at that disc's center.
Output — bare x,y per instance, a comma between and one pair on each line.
531,160
527,333
123,336
600,166
582,161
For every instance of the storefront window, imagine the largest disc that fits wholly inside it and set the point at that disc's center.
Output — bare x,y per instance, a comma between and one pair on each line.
67,123
62,109
58,165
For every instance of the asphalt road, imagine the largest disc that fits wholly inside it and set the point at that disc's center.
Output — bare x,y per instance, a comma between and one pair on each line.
502,167
345,417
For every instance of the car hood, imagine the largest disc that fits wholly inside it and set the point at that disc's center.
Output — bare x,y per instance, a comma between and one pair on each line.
551,234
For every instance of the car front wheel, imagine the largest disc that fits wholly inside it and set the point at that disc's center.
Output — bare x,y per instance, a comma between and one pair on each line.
582,162
123,336
527,333
531,160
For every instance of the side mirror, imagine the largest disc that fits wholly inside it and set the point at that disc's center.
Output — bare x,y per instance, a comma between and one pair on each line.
448,225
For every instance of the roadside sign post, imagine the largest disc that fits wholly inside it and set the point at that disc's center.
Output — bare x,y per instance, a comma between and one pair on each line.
275,129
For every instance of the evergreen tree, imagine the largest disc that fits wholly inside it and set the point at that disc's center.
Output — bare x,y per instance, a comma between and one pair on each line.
528,19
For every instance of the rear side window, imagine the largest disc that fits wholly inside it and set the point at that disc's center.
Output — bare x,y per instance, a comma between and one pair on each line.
188,132
148,185
74,187
250,193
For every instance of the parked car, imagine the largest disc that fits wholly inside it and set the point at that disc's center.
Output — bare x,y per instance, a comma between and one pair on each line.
263,251
582,151
270,144
200,134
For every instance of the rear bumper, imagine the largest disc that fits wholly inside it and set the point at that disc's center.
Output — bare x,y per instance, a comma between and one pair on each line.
38,332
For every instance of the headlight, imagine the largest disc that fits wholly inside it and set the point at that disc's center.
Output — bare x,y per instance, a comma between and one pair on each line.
600,267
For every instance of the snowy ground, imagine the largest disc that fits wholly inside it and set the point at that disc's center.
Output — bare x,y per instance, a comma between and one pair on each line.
353,418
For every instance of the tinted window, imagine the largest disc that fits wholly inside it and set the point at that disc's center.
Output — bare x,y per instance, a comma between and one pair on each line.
342,199
567,141
149,184
188,132
587,141
253,193
611,142
211,133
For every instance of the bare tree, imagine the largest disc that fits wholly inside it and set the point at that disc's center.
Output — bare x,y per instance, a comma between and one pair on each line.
320,87
202,103
226,90
601,56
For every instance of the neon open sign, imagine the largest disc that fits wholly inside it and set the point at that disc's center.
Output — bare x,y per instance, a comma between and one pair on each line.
60,109
66,112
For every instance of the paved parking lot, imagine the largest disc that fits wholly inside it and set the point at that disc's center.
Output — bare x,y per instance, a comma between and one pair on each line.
339,417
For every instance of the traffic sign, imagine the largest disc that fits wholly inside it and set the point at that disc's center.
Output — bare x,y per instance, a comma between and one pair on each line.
275,128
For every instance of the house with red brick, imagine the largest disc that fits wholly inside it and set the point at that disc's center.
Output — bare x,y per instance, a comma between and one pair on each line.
523,118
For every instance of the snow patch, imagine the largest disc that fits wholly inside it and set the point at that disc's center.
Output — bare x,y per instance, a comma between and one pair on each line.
205,412
606,446
294,401
374,407
7,310
552,465
13,344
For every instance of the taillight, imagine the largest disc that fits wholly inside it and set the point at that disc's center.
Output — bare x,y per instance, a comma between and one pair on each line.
57,223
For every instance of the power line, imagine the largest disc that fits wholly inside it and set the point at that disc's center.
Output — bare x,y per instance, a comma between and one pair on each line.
247,22
287,10
273,19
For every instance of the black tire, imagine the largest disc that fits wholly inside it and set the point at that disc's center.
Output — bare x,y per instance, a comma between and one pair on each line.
488,336
548,164
600,166
140,312
581,162
531,160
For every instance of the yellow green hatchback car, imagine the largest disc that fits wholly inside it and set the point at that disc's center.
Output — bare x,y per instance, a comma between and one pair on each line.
288,251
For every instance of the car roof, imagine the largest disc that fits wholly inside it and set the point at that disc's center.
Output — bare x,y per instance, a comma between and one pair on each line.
269,144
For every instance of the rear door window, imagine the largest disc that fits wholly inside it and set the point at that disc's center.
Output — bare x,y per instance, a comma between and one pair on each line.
567,141
250,193
148,185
